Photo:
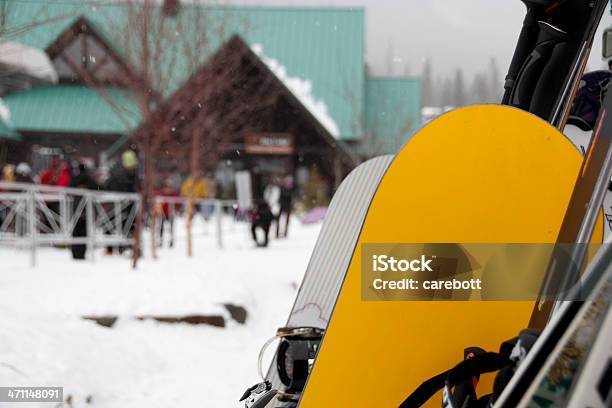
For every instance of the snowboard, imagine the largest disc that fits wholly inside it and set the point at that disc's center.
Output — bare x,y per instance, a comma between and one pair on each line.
482,174
332,252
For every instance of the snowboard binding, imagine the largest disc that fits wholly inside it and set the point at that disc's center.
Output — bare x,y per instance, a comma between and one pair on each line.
294,359
258,395
295,356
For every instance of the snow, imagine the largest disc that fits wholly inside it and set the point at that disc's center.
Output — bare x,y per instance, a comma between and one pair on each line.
27,59
301,88
5,114
45,342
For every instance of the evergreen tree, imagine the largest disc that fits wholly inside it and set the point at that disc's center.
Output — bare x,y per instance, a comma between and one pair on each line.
495,85
458,89
427,84
479,91
446,96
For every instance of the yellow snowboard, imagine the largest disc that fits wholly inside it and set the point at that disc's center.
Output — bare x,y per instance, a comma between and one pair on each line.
482,174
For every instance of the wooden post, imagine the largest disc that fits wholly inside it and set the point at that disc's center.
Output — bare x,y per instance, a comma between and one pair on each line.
189,224
195,170
154,215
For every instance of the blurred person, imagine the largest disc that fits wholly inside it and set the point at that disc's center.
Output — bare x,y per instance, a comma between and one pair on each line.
65,175
8,173
207,208
8,176
285,201
195,188
167,190
261,219
82,179
23,173
272,196
123,178
50,175
174,180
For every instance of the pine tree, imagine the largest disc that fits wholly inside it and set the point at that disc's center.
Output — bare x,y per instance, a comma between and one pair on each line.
479,92
458,89
446,97
427,84
495,86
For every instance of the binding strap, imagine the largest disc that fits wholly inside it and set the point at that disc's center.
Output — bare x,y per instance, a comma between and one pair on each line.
479,364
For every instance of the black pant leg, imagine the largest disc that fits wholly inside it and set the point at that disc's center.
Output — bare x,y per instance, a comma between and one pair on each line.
266,229
80,230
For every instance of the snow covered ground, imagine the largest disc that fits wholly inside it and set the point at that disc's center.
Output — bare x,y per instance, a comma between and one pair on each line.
45,342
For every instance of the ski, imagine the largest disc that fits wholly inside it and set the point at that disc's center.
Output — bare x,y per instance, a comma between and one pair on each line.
551,55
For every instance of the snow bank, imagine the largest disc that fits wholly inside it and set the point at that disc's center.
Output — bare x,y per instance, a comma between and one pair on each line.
30,60
302,89
139,364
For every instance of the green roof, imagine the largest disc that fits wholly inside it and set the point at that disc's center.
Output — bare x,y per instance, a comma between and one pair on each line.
392,111
72,109
322,45
6,132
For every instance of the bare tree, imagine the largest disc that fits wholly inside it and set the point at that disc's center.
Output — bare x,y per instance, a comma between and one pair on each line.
10,30
372,141
164,46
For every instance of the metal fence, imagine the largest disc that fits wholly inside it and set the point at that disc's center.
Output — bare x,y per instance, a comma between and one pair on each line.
167,209
34,215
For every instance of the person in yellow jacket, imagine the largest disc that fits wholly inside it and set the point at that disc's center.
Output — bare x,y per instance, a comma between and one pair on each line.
197,188
194,187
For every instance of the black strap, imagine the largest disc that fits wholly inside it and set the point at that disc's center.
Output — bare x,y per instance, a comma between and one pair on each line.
479,364
425,391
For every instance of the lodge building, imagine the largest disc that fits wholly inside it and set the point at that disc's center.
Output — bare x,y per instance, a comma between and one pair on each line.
280,91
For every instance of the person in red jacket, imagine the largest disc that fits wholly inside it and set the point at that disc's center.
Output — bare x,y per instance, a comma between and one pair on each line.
167,213
65,175
51,177
51,174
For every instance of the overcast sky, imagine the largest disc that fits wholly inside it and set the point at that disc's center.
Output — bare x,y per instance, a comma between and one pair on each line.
453,33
